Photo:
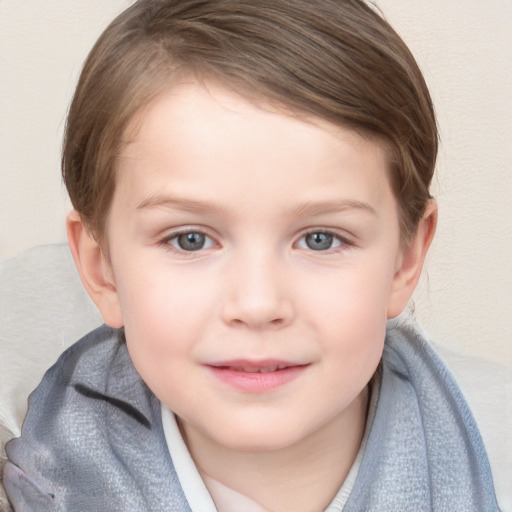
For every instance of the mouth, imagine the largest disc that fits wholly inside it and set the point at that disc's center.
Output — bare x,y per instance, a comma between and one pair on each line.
256,376
254,367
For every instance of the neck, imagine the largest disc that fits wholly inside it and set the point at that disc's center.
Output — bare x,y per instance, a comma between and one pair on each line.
303,477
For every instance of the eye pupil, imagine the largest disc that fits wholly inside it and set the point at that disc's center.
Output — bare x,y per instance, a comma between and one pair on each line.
319,241
191,241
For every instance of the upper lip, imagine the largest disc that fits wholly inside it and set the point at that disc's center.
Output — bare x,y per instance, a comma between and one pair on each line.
254,366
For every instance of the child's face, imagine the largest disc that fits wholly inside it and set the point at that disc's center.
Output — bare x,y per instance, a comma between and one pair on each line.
254,257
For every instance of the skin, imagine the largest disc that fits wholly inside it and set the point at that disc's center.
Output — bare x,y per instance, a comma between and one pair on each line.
301,263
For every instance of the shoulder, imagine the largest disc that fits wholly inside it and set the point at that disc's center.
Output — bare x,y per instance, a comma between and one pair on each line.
94,372
89,360
86,364
92,435
487,387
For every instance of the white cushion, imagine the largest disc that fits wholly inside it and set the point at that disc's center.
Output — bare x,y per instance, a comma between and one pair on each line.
43,310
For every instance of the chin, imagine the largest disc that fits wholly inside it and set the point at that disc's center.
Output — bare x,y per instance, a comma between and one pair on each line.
260,438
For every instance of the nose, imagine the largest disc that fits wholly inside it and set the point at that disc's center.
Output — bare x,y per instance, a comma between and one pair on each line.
257,294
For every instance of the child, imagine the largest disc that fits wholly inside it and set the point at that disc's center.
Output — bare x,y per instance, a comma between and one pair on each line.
250,184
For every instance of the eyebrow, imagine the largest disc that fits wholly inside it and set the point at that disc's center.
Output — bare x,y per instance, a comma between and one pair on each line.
314,209
307,209
175,203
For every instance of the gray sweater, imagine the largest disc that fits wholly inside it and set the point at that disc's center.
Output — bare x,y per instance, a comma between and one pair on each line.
93,438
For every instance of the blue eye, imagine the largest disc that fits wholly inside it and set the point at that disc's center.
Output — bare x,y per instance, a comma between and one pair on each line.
319,241
191,241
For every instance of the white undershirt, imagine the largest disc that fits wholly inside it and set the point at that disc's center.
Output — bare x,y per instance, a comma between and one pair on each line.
204,494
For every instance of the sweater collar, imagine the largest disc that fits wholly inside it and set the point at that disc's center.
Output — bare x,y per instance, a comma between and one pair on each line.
105,371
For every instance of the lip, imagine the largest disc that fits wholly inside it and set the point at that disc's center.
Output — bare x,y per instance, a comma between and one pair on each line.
256,376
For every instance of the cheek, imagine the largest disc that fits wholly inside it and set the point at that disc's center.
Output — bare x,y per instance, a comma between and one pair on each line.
164,313
355,296
162,328
352,315
157,294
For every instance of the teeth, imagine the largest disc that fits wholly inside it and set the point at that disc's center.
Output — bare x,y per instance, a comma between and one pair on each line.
252,369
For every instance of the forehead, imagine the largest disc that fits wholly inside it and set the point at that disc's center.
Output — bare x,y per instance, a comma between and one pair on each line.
193,136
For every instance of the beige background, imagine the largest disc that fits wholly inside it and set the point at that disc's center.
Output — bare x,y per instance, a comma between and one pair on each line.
465,50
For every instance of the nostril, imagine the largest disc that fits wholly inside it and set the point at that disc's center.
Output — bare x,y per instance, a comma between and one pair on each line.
257,314
277,322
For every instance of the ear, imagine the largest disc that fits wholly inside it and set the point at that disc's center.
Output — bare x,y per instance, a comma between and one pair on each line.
94,269
411,261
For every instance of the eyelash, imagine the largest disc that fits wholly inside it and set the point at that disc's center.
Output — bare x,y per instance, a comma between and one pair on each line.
342,243
167,241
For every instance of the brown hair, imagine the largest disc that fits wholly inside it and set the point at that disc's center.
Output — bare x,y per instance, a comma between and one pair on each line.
335,59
